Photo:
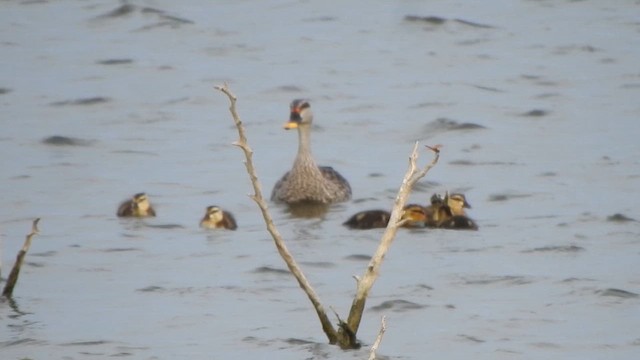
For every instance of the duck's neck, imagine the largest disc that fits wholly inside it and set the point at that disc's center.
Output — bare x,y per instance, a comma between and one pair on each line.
304,157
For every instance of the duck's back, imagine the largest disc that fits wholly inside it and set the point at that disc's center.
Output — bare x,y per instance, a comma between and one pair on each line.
325,186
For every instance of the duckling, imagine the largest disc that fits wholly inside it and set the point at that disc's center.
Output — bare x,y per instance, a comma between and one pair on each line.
137,206
453,216
216,218
436,211
371,219
306,181
459,222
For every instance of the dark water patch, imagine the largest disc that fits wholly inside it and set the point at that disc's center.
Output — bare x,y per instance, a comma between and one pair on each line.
270,270
363,200
44,253
445,124
358,257
35,264
110,250
135,152
548,174
470,338
398,306
25,341
487,88
152,288
4,90
120,11
86,343
558,249
166,226
319,264
20,177
488,280
438,20
320,19
620,218
432,20
575,279
474,24
287,89
623,86
546,345
114,61
424,186
296,341
547,95
463,162
82,102
572,49
618,293
505,197
535,113
59,140
162,14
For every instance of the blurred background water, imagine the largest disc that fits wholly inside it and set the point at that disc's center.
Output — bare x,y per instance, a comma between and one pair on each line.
535,102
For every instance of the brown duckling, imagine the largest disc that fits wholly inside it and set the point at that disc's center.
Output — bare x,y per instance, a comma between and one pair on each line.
306,181
371,219
137,206
216,218
451,214
459,222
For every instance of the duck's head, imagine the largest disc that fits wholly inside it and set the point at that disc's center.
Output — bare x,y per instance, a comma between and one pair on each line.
300,114
436,199
140,201
456,202
214,213
415,214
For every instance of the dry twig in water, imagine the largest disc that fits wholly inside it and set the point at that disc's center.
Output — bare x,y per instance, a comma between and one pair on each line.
376,344
13,276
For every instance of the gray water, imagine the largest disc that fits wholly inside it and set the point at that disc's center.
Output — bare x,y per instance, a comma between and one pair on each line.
553,85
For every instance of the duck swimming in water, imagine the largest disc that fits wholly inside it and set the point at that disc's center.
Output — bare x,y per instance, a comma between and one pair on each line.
216,218
450,213
137,206
371,219
307,182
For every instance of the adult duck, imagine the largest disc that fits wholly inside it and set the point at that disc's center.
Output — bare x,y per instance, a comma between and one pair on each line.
307,182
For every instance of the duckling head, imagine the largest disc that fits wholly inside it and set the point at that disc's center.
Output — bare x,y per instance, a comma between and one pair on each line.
141,202
457,203
300,114
415,215
214,214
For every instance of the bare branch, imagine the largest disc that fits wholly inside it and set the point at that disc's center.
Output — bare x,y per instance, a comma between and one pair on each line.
15,271
376,344
371,273
277,238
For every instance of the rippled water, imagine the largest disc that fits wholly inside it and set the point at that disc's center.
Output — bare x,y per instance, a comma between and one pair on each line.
535,102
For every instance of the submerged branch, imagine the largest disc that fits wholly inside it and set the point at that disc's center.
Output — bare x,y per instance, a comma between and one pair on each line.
328,328
15,272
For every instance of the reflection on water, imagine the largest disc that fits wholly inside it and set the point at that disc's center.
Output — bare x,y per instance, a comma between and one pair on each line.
102,100
307,210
